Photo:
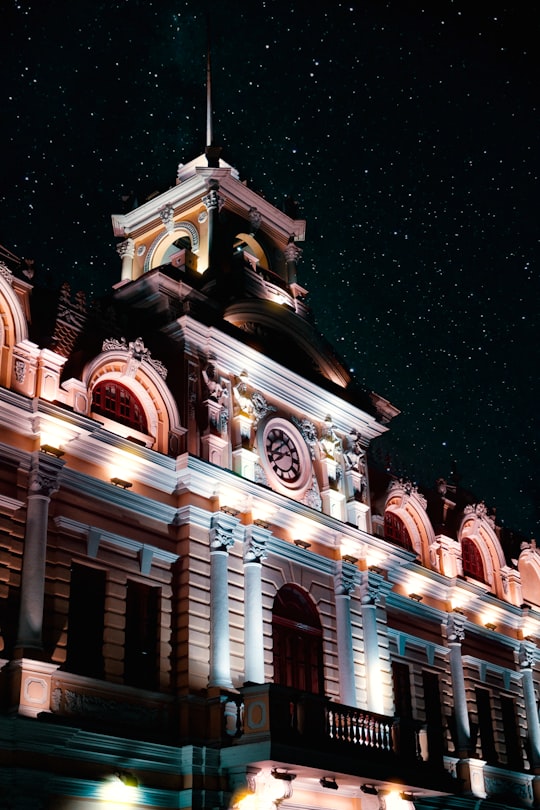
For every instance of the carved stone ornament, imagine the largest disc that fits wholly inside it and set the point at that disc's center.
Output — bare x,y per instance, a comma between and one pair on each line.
254,548
330,443
6,273
309,433
369,591
20,371
68,702
455,628
407,486
126,249
292,252
213,200
354,456
221,536
166,214
526,655
251,403
261,408
44,476
215,389
255,218
312,498
345,580
138,353
480,511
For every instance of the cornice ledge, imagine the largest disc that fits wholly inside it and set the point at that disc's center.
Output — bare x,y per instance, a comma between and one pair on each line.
106,492
95,536
307,558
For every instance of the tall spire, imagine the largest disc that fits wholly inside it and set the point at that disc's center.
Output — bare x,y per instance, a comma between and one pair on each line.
209,133
212,152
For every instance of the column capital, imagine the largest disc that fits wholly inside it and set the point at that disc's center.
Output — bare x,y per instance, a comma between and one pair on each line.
213,200
222,531
45,474
292,252
255,540
345,578
527,655
455,628
126,249
372,588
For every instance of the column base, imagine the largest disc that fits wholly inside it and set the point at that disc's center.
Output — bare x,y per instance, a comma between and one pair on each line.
29,686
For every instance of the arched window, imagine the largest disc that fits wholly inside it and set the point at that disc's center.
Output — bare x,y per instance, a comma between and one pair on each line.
117,402
395,531
471,559
297,640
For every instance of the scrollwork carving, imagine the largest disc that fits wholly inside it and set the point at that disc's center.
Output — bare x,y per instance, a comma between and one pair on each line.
221,535
455,628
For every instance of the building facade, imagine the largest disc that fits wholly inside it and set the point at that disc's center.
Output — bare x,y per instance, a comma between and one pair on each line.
207,599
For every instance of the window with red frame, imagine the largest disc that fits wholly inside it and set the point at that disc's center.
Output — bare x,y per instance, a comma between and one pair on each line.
395,531
117,402
471,558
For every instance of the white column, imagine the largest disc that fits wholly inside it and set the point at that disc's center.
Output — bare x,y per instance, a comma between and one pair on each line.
455,633
254,553
526,662
369,596
221,540
126,251
42,484
344,585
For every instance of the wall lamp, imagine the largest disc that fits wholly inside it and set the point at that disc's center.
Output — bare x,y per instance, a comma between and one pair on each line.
119,482
406,796
127,779
349,558
375,569
287,776
416,597
370,790
263,524
329,782
490,626
302,544
52,451
229,510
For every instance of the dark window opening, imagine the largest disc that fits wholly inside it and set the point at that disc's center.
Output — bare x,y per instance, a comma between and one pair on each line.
512,738
297,641
485,726
434,722
117,402
395,531
86,620
402,689
473,565
406,732
142,635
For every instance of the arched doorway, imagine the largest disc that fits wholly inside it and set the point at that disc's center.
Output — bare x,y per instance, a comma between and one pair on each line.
297,641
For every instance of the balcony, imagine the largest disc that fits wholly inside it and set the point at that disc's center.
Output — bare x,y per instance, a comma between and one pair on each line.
286,725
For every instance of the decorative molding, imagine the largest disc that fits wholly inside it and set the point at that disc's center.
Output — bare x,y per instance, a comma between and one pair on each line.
95,536
137,351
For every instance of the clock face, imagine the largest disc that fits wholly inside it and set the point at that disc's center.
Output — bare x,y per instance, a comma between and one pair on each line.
284,456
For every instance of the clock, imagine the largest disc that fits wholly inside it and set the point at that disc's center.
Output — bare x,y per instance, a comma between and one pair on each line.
284,455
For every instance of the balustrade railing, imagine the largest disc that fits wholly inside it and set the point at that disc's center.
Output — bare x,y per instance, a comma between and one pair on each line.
356,727
285,714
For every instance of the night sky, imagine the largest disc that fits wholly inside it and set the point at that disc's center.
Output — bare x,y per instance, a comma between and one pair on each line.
407,132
